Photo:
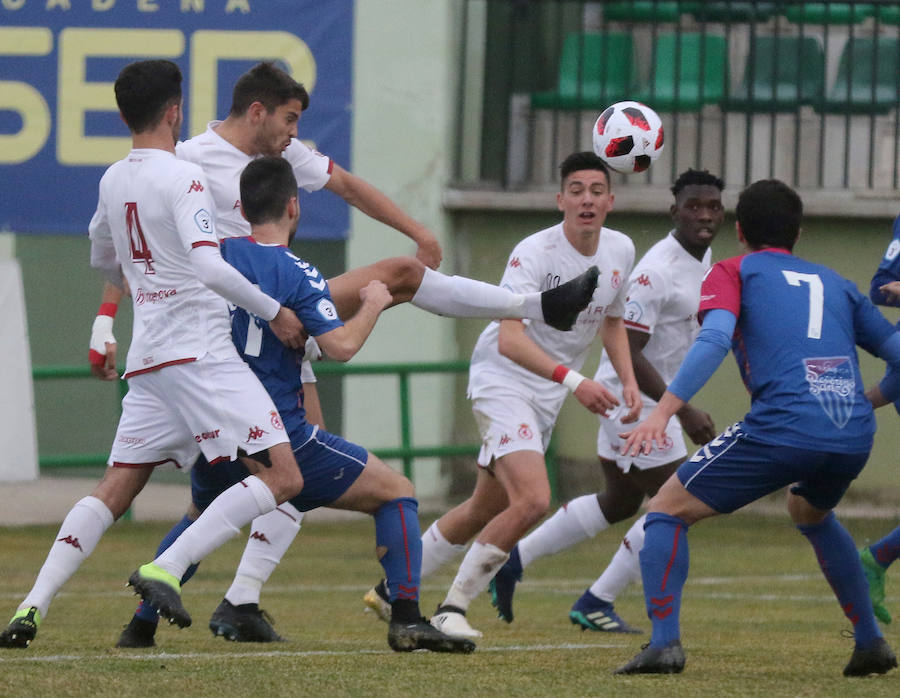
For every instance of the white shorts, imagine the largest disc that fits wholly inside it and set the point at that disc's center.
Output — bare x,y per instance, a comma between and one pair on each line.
213,406
509,422
608,442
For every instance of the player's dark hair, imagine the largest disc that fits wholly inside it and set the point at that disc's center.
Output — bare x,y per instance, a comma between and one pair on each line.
268,84
145,90
769,213
582,161
699,177
267,184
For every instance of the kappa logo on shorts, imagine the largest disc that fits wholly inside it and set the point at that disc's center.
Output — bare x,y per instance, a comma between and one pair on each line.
504,440
832,381
525,432
255,433
276,420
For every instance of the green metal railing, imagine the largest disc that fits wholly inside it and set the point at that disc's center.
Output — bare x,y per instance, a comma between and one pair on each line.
405,452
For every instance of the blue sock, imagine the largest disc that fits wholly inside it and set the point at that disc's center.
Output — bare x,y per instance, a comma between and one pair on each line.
840,564
397,533
514,563
664,567
145,611
886,550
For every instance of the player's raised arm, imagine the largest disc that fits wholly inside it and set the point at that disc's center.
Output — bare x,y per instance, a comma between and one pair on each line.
374,203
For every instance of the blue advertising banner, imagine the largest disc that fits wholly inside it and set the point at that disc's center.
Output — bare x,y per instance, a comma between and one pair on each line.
59,127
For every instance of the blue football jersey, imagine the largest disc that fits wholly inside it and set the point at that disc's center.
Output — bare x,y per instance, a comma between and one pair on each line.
888,269
296,285
798,326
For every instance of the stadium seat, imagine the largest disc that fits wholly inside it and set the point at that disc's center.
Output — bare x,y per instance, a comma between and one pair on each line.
867,79
644,11
781,73
594,71
733,11
688,71
828,12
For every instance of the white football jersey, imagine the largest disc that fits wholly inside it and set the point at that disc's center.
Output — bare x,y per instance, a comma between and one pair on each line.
662,300
223,164
540,262
155,209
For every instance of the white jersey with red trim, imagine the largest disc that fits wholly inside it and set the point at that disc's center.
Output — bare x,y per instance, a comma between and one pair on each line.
663,298
538,263
223,164
155,209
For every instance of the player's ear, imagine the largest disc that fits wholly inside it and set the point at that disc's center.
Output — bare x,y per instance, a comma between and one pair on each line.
293,208
256,111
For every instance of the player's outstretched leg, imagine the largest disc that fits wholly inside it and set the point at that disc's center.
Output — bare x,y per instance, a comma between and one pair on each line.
22,628
161,590
561,305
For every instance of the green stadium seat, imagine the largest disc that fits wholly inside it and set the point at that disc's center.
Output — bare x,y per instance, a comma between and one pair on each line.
595,70
644,11
781,73
689,70
868,80
828,12
733,11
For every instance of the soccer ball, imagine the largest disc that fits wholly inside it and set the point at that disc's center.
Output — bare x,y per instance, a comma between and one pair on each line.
628,136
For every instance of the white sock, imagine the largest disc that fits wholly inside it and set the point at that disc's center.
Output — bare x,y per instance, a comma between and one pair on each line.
79,534
437,551
458,296
222,520
271,535
475,573
572,523
625,567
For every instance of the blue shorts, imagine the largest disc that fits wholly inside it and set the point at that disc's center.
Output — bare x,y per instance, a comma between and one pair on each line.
329,465
734,469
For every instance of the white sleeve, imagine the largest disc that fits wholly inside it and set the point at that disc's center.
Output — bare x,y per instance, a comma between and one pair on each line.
218,275
103,251
306,372
311,168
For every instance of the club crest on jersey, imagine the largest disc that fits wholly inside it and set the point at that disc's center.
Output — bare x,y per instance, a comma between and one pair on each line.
831,379
616,279
525,431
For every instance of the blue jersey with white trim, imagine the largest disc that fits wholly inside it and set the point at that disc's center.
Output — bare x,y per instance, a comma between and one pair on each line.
296,285
798,325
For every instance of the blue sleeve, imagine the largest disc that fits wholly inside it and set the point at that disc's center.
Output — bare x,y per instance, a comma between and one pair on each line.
705,355
890,384
888,269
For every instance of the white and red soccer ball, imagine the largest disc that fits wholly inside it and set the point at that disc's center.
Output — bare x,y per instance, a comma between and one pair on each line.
628,137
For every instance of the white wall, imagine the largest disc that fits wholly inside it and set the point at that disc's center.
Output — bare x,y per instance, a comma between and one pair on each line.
404,85
17,426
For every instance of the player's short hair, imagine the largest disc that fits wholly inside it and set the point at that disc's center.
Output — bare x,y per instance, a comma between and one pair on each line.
144,90
769,213
268,84
581,161
267,184
698,177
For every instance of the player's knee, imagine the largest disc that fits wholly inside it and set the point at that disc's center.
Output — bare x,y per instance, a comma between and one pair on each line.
404,275
534,506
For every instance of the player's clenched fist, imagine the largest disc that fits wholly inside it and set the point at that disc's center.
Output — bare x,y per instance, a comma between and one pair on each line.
376,293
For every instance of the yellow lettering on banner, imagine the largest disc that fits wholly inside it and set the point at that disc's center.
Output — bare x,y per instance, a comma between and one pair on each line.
102,5
208,47
61,4
242,5
13,4
192,5
78,96
22,98
147,6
